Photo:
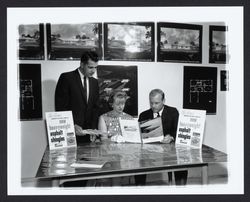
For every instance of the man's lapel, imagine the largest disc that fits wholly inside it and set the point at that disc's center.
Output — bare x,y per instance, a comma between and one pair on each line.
151,114
164,114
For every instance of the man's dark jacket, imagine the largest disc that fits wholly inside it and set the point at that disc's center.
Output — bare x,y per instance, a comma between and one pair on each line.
70,95
169,118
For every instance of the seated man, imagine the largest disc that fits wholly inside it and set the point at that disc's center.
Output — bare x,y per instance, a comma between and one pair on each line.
169,116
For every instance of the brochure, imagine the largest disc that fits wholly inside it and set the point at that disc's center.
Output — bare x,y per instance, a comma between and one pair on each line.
145,132
88,162
60,129
191,127
130,130
151,130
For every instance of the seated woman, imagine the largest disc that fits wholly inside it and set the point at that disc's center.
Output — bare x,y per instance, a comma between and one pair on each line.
109,122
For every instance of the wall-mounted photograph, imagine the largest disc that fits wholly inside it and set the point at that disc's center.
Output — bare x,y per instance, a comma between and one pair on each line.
113,77
31,42
179,42
200,88
69,41
30,92
218,48
129,41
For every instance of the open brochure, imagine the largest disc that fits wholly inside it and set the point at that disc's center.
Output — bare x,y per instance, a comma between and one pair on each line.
145,132
151,130
130,130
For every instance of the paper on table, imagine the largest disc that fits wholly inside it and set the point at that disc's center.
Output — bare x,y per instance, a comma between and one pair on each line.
88,163
94,132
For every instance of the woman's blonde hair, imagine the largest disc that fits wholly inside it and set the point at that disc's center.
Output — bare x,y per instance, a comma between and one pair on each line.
117,94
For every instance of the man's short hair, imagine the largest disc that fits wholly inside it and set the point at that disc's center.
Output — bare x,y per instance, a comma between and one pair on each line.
156,92
92,55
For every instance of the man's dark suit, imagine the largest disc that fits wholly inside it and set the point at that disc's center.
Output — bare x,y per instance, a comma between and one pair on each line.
69,95
169,118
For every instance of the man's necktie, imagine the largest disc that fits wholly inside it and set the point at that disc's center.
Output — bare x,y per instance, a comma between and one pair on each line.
85,87
158,114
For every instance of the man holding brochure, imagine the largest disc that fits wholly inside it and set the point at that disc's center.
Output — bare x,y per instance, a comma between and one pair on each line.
169,116
78,91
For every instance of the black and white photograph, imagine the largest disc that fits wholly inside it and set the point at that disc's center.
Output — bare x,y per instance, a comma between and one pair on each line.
114,77
218,47
179,42
200,88
68,41
31,41
129,41
103,76
30,92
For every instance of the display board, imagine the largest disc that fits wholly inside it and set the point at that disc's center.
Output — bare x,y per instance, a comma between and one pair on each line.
111,77
30,92
200,88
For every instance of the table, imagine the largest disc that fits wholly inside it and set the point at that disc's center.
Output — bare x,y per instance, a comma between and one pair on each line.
125,159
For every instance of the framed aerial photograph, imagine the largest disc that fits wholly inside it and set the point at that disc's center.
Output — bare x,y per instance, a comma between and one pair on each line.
200,88
218,48
177,42
69,41
31,42
129,41
30,92
112,77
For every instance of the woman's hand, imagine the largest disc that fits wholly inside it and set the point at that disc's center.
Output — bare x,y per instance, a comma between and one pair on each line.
106,137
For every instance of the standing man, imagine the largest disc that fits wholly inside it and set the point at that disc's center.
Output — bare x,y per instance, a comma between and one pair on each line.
78,91
169,116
